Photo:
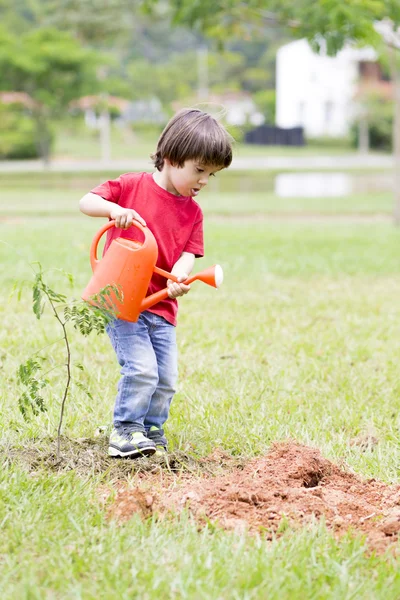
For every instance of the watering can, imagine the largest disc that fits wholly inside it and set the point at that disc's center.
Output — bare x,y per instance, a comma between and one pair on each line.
129,265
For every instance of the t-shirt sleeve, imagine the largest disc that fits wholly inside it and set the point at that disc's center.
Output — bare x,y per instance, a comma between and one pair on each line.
110,190
195,244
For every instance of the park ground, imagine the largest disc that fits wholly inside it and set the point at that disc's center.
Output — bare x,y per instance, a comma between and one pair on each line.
283,475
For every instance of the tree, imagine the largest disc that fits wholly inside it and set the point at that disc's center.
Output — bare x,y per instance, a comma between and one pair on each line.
337,23
390,33
225,72
19,15
52,68
327,23
90,21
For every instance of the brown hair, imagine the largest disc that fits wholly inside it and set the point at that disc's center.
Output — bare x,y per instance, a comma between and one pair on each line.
193,135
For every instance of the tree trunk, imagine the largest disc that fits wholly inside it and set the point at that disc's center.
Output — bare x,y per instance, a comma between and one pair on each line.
363,136
105,131
43,138
395,72
202,74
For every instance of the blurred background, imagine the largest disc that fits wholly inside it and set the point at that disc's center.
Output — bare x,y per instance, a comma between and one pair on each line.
84,85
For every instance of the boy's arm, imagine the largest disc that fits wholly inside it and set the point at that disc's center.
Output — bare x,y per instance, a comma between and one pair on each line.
182,269
96,206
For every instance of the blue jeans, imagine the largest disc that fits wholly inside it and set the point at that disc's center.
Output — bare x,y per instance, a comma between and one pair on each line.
147,353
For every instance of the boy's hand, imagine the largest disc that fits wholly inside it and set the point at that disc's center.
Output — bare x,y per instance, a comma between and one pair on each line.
124,217
178,289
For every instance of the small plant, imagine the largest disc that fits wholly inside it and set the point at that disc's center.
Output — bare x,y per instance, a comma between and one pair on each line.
85,318
27,375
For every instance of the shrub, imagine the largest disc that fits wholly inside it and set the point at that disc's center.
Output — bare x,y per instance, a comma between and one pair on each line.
266,103
17,133
379,115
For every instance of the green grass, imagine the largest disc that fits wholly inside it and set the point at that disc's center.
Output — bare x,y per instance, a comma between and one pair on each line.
59,546
74,141
302,341
60,201
231,193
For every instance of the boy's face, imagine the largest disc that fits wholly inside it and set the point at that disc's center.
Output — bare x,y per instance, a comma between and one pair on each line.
190,179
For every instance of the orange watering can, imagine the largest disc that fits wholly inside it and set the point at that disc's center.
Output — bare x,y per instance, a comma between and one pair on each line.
129,265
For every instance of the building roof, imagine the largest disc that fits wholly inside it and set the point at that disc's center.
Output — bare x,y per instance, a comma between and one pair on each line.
17,98
87,102
383,89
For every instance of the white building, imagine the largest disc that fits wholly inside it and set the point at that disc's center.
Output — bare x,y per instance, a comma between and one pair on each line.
317,91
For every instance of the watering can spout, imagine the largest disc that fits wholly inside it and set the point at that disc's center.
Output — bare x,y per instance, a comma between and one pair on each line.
213,276
151,301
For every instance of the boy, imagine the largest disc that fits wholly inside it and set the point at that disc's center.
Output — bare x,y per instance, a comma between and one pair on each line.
192,148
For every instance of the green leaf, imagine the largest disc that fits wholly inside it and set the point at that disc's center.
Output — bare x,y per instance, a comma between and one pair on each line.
84,389
69,276
27,370
38,301
31,398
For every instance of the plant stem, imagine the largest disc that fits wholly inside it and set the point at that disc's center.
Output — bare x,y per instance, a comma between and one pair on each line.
68,365
47,346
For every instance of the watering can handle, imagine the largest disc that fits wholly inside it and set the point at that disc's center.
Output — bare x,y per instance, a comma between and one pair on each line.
94,261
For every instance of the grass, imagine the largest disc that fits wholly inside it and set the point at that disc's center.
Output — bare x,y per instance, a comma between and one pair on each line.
65,549
73,141
231,193
68,551
52,202
301,341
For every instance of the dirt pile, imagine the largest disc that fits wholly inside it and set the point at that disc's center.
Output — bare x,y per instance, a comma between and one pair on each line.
292,482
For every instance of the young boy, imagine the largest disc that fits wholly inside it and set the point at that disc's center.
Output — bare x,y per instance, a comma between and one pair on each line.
192,148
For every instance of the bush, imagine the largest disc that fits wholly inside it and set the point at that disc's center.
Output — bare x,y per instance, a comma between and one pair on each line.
17,133
266,103
379,115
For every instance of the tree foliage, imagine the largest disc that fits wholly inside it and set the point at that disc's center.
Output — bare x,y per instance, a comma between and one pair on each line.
52,67
146,55
17,133
89,20
334,22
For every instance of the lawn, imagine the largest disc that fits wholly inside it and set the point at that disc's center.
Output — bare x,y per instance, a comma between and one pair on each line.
301,342
229,194
74,141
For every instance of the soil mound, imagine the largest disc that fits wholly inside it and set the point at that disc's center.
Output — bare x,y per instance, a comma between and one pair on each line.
292,482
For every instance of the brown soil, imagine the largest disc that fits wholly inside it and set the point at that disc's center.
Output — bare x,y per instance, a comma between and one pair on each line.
292,482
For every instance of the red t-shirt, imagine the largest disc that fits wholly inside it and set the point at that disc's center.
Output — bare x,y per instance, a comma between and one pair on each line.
175,221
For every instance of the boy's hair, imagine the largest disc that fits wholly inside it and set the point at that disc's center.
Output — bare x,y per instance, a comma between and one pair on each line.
193,135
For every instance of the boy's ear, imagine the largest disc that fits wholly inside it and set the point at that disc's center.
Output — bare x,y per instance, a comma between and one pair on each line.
169,163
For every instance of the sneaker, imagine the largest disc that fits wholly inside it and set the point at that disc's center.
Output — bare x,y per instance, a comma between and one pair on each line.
130,443
156,435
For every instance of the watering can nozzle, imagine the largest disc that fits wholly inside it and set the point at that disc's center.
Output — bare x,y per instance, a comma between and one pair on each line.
219,276
213,276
